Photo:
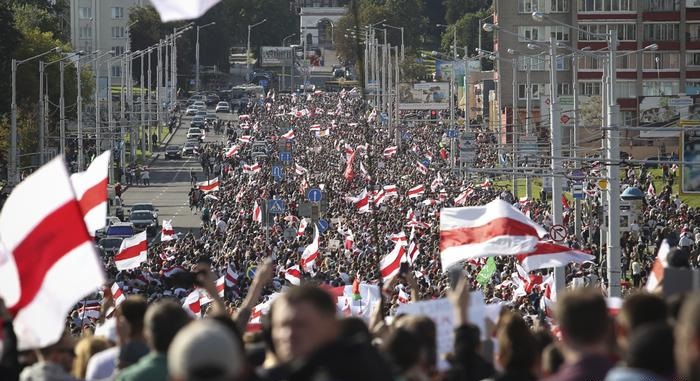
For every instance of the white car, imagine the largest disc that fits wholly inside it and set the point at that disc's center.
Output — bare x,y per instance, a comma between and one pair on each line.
195,133
200,104
223,107
191,110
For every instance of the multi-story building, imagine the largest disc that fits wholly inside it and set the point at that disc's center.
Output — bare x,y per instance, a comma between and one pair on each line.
317,19
101,25
652,87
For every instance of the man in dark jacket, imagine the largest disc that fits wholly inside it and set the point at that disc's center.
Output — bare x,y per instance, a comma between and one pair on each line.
9,357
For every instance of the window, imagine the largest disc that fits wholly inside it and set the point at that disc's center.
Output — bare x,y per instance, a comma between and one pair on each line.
589,88
563,88
529,6
560,33
693,32
530,33
626,89
118,50
692,87
85,12
650,88
117,13
661,61
85,32
597,32
547,6
563,63
116,71
661,32
590,63
559,6
692,58
661,5
535,93
628,62
606,5
535,63
117,32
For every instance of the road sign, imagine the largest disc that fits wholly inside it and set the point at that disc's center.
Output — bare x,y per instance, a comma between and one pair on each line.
577,175
323,226
314,195
275,206
425,162
577,191
406,136
603,184
557,232
285,156
452,133
277,172
565,119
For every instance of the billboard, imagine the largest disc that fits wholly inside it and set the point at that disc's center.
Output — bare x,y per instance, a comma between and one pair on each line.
275,56
665,111
690,154
424,96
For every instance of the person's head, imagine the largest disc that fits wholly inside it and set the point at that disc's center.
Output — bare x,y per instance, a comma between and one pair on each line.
404,349
517,349
552,359
583,320
426,331
205,350
129,316
84,349
687,335
651,348
638,309
303,320
60,353
163,319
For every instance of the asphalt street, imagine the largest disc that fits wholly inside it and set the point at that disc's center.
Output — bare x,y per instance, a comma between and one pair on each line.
170,182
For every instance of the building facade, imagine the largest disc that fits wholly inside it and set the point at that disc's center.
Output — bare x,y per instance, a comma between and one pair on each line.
652,87
317,19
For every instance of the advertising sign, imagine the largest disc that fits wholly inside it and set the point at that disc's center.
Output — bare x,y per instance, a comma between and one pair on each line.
690,152
665,111
275,56
424,96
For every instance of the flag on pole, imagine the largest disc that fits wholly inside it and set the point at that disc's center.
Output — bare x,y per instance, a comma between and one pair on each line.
210,185
657,269
293,275
257,212
170,10
91,191
549,254
232,151
416,191
651,191
289,135
421,168
390,151
390,264
117,295
167,232
231,276
49,261
192,303
132,253
362,202
245,139
299,170
391,191
250,169
302,227
496,228
308,258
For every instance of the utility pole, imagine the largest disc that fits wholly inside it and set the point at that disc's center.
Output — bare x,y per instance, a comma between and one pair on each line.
62,110
556,162
528,92
98,133
81,159
149,99
110,118
42,121
514,113
574,153
141,130
613,156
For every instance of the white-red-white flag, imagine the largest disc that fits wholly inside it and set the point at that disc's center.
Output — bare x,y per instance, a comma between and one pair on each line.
379,197
91,191
311,252
464,196
210,185
132,253
117,295
549,254
250,169
389,265
496,228
303,223
299,170
167,232
172,270
231,276
220,284
399,238
192,303
170,10
390,151
421,168
315,127
50,260
403,297
651,191
437,183
245,139
412,252
349,241
289,135
486,184
416,191
232,151
391,191
293,275
657,269
257,212
362,202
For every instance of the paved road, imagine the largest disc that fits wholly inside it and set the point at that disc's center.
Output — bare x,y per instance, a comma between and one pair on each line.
170,183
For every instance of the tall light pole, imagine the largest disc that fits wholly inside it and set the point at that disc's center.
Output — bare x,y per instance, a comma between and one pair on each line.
12,167
401,29
247,52
284,43
199,27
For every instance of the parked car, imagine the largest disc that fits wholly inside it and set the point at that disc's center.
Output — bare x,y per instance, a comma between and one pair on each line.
144,220
121,229
223,107
110,245
173,152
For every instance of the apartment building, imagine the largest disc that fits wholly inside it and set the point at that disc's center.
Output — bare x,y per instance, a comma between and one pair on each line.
652,87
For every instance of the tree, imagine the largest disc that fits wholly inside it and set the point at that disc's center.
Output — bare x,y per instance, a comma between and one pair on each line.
455,9
8,44
467,33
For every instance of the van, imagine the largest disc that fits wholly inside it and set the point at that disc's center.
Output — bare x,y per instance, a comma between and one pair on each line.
121,229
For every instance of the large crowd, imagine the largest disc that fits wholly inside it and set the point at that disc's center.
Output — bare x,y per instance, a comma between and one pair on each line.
266,327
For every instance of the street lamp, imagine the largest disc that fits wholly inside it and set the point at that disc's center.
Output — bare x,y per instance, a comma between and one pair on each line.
61,101
197,55
401,29
284,40
12,167
247,52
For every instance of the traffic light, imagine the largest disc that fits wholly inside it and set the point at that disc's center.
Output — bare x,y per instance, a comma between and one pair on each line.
433,114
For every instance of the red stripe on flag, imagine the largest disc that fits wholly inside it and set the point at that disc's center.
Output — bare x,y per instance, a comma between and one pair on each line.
94,196
55,236
132,251
394,265
477,234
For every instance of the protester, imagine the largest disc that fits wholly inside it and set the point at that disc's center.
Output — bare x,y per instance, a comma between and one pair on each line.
55,362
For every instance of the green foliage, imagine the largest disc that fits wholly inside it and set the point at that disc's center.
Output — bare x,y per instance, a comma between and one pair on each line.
412,70
467,34
455,9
